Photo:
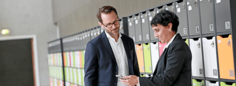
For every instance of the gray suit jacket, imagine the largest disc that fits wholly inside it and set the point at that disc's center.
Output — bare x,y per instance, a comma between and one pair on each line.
173,67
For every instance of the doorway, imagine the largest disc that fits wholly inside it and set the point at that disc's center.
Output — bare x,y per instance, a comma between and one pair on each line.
17,62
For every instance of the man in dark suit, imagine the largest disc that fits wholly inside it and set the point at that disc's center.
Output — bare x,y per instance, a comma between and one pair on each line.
174,65
109,54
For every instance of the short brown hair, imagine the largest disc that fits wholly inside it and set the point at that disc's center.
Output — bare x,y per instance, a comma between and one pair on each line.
105,9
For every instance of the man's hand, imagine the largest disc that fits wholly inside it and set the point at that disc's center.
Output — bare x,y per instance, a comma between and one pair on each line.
130,80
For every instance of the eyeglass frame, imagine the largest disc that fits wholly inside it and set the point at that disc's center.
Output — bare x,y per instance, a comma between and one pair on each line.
112,24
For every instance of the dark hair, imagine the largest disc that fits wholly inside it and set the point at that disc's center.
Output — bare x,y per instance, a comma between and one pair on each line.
105,9
164,17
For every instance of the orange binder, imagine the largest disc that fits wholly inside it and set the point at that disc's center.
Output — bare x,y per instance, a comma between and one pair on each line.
64,57
225,56
139,51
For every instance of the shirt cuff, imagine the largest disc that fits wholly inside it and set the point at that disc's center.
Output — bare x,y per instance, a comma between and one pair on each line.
138,82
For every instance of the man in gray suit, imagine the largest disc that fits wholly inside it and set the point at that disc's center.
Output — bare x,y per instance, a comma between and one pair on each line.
174,65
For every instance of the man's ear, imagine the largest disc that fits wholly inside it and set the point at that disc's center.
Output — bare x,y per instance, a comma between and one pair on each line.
101,24
170,26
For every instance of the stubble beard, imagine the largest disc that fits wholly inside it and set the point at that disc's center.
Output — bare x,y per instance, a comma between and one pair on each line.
113,33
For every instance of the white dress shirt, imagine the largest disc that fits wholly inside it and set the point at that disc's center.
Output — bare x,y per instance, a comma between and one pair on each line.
120,55
166,46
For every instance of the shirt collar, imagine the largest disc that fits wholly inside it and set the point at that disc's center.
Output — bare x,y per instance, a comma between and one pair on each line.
109,36
171,40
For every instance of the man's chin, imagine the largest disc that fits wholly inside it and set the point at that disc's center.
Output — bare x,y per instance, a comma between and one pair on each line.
115,33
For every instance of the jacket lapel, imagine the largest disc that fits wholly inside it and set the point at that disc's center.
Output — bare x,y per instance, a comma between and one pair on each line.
127,48
166,50
107,46
162,56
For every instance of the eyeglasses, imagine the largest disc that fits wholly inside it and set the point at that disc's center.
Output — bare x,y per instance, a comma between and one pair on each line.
111,24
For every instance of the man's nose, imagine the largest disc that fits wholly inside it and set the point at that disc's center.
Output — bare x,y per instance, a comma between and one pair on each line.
155,35
114,26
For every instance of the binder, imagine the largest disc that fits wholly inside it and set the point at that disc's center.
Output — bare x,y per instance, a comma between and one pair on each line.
139,51
225,57
155,55
147,57
210,59
198,82
226,84
196,50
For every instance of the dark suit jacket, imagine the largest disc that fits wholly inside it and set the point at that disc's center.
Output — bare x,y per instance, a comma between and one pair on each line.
100,63
173,67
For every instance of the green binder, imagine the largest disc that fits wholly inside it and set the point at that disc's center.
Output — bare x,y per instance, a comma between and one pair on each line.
82,76
73,75
224,84
186,41
65,69
147,57
142,75
198,82
82,52
73,56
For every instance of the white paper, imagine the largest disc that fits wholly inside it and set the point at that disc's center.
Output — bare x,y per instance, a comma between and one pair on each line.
79,75
83,76
189,8
130,24
55,81
150,18
94,34
147,36
178,10
140,37
75,76
143,20
71,73
67,74
72,59
136,21
76,62
218,1
227,25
